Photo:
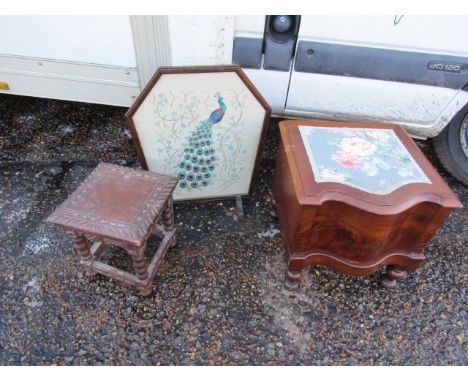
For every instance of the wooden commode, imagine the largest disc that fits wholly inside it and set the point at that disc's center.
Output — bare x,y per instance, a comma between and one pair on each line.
355,197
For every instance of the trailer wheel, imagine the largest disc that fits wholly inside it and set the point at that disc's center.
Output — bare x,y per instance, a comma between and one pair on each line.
451,146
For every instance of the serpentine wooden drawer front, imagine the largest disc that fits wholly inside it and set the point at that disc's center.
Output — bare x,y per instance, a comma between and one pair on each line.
355,197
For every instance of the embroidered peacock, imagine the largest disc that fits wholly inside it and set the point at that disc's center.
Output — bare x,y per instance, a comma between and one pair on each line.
199,159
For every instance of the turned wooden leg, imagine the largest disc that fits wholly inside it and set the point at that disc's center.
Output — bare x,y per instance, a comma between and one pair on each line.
168,215
292,279
81,246
140,265
145,292
393,274
168,219
273,210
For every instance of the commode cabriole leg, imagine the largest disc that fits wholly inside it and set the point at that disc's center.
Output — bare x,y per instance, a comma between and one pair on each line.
293,276
393,274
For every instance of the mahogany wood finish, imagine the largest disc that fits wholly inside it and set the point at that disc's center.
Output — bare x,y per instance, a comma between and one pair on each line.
347,229
121,206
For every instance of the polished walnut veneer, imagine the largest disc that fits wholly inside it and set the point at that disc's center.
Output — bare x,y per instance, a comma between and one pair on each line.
346,228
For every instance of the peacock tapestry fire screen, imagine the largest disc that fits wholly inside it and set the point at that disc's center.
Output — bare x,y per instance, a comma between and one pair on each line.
204,128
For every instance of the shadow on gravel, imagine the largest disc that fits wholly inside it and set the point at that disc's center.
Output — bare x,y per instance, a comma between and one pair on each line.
218,297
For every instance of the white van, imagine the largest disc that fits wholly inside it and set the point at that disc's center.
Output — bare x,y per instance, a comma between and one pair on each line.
407,70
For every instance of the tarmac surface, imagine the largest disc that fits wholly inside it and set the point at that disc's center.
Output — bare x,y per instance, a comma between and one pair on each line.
218,298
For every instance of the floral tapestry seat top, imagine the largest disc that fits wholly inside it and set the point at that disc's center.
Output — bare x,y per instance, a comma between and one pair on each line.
372,160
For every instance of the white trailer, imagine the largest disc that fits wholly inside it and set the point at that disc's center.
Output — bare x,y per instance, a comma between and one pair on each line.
407,70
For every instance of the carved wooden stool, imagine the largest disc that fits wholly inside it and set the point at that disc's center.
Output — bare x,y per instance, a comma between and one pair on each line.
121,206
356,197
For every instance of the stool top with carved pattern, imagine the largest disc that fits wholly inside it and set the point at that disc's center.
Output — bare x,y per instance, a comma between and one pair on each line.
117,202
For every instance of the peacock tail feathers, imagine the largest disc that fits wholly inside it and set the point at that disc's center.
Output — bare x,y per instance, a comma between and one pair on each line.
195,169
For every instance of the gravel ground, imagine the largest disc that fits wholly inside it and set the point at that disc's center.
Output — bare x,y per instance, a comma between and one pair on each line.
218,298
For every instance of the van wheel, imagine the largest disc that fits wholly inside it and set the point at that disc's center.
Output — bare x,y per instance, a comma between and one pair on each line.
451,146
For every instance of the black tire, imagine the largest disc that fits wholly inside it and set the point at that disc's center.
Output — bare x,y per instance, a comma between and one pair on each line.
449,148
